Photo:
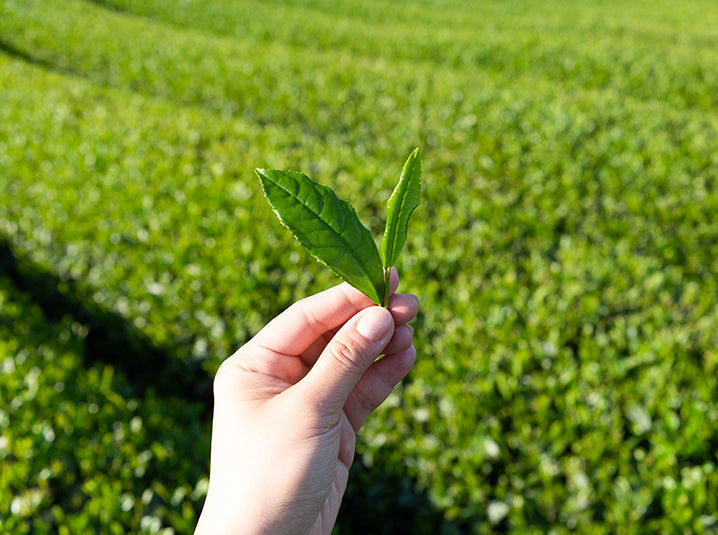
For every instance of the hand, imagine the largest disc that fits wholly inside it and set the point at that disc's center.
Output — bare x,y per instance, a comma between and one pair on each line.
289,403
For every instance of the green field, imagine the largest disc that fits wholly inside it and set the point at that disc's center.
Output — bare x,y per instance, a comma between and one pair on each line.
565,254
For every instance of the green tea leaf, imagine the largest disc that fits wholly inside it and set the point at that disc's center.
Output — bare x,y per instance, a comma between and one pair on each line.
401,204
327,227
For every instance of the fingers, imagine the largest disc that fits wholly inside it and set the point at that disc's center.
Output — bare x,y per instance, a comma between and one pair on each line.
403,308
346,358
383,375
376,384
294,330
298,327
393,280
347,441
401,340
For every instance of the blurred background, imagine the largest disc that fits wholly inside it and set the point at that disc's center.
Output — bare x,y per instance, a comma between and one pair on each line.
565,253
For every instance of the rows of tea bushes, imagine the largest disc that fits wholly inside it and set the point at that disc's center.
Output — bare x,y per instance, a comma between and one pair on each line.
81,453
261,52
509,41
565,253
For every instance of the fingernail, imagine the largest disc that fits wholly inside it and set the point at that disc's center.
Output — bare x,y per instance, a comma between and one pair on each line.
375,324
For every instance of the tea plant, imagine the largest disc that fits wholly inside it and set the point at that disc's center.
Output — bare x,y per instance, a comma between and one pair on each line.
328,227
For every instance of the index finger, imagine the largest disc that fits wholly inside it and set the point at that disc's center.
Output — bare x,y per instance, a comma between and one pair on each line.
298,327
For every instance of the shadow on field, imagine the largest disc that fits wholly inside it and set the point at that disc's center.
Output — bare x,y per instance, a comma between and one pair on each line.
380,499
110,6
109,338
13,52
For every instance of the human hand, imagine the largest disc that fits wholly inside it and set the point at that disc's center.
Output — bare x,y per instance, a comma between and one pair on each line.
288,405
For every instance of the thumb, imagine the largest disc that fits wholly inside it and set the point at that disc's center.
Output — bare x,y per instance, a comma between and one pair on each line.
347,357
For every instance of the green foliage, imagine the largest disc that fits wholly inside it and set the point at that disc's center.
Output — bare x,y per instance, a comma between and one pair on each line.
327,227
565,261
78,453
401,205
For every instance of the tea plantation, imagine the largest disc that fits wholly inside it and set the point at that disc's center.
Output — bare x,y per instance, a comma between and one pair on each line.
565,254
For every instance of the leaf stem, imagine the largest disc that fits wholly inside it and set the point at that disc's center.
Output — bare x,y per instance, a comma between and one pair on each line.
387,277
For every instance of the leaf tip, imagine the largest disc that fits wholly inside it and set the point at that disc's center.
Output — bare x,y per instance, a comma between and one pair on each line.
414,160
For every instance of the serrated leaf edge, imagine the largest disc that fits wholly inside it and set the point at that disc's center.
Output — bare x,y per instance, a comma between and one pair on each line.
260,171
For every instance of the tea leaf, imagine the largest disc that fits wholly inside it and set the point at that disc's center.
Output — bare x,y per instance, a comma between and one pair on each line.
327,226
401,204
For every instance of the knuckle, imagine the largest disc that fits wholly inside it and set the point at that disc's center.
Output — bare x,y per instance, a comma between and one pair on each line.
308,315
365,400
345,353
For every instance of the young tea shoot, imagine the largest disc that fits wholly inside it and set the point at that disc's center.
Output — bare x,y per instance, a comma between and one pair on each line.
329,228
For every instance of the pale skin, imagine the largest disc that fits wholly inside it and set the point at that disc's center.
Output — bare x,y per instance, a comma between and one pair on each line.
288,405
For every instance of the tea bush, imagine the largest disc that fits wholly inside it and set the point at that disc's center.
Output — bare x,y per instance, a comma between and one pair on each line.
80,452
565,254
